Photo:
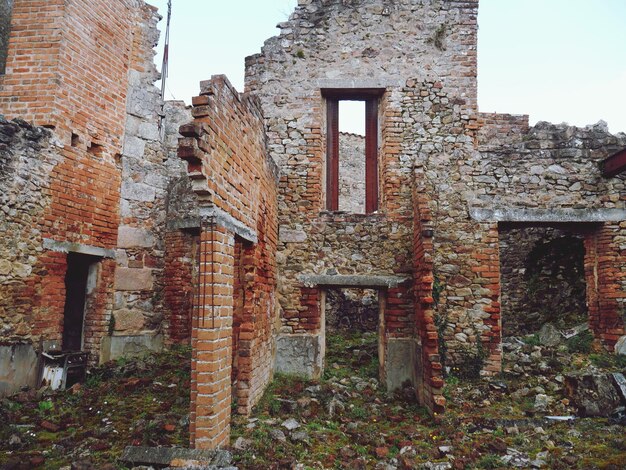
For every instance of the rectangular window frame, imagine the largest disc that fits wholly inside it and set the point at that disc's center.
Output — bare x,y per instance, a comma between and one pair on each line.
371,97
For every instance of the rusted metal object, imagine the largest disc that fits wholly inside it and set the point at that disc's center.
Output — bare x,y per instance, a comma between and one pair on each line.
615,164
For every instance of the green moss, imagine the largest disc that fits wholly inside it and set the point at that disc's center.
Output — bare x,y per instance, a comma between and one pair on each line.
581,343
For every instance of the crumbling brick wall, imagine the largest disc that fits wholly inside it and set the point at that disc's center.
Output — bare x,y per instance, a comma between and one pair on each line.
27,154
236,187
85,71
152,302
46,82
551,173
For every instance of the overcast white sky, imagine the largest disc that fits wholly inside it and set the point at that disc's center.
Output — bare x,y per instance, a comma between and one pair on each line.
556,60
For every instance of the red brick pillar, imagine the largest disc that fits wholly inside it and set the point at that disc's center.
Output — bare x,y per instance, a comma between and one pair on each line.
211,340
605,271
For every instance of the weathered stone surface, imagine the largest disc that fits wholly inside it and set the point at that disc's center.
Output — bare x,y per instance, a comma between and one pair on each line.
593,394
400,362
18,367
620,346
131,237
133,279
114,347
128,320
299,355
291,236
166,455
549,335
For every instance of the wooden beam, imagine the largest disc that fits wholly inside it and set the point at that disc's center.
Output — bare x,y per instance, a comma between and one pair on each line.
615,164
371,156
332,155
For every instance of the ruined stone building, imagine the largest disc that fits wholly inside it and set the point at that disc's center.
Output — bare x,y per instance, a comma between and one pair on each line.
128,224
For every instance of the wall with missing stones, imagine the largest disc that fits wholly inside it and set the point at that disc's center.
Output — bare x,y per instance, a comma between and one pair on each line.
87,184
234,316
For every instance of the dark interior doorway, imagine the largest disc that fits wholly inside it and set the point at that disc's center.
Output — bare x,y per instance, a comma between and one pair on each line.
542,277
77,277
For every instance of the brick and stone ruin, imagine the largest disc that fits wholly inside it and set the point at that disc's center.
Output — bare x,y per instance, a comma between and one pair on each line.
244,223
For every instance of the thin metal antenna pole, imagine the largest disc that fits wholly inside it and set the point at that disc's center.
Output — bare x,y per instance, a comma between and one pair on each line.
165,65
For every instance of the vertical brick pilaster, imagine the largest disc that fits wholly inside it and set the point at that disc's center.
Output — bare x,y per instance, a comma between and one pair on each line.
212,341
606,297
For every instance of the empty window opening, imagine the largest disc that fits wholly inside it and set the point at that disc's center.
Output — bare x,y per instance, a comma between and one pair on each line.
80,280
6,11
75,140
352,322
352,150
352,156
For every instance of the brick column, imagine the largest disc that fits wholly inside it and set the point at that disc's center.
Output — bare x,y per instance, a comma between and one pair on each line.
211,340
605,275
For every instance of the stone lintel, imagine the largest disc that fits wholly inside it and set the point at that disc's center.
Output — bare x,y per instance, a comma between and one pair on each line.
361,83
352,280
68,247
219,217
547,215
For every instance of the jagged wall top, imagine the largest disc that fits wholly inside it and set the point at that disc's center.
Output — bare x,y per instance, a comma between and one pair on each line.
380,42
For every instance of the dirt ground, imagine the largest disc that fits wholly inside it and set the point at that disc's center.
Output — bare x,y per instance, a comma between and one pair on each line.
345,420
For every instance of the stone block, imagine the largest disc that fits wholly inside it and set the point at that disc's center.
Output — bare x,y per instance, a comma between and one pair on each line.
399,362
131,237
149,131
18,368
299,355
133,279
620,346
160,456
138,192
130,321
134,147
114,347
292,236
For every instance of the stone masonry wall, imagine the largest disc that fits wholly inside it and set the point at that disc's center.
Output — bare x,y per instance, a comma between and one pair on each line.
556,168
147,307
46,82
27,155
236,186
542,278
6,9
344,45
92,85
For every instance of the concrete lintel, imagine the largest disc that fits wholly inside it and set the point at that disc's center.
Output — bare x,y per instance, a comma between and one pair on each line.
388,82
188,223
355,280
511,214
219,217
68,247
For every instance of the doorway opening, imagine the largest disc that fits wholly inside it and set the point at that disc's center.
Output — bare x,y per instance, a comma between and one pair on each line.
80,282
352,323
542,279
